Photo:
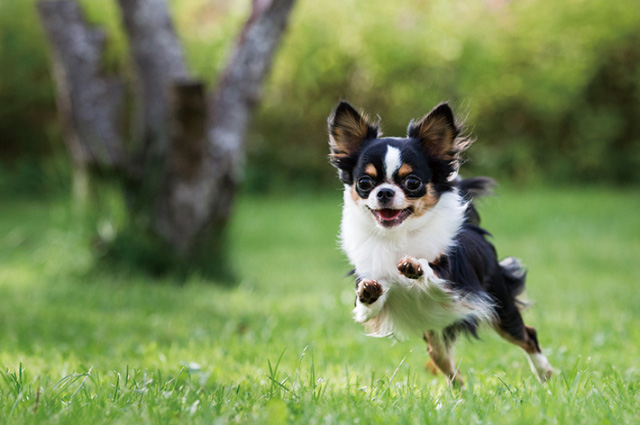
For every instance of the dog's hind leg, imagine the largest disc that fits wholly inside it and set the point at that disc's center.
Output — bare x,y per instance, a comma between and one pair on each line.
510,326
440,353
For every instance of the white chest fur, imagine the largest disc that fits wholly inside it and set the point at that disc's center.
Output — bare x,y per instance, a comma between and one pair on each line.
408,306
375,251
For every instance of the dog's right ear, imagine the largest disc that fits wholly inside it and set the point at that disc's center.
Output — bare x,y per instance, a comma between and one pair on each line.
348,131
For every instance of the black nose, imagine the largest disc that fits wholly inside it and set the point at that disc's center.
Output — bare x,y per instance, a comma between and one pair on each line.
385,195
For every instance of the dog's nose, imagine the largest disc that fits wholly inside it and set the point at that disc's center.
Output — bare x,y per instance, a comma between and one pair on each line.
385,195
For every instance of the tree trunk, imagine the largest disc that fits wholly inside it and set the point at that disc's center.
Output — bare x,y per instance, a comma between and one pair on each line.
88,101
178,204
206,195
159,62
190,148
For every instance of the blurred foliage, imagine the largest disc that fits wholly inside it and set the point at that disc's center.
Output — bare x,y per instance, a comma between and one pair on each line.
27,108
550,89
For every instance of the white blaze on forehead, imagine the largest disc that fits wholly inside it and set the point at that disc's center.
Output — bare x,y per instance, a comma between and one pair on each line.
392,161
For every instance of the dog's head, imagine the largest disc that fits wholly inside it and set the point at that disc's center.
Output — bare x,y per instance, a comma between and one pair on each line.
396,178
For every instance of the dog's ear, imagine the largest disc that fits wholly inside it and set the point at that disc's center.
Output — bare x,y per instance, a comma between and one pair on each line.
438,134
348,131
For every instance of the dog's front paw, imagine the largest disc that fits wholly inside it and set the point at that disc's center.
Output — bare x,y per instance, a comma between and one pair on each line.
411,268
369,291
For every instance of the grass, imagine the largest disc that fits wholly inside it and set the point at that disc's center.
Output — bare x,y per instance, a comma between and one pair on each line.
80,345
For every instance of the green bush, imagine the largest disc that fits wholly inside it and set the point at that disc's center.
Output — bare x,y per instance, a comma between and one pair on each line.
27,107
550,89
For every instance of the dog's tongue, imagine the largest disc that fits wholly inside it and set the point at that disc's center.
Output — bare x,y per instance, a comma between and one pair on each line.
388,214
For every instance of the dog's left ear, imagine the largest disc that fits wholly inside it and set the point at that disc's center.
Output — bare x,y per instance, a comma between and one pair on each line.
438,133
348,131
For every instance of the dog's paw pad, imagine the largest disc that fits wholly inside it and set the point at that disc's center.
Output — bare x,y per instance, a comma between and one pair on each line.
369,291
411,268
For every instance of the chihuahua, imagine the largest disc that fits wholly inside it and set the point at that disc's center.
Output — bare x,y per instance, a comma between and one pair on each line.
423,265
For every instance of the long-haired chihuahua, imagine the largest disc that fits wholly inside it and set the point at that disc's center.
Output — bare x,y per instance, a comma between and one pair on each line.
423,264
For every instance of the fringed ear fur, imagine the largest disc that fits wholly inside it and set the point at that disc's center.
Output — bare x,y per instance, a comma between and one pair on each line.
439,134
348,130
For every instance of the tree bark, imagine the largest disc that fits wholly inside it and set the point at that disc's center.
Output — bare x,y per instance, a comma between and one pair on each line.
178,204
88,101
159,62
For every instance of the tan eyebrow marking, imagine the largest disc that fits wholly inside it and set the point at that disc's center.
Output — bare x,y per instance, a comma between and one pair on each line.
405,170
371,170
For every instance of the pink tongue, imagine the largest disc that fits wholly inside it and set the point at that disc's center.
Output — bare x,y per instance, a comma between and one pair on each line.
389,214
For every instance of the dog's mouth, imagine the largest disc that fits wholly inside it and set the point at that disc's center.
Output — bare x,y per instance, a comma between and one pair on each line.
388,217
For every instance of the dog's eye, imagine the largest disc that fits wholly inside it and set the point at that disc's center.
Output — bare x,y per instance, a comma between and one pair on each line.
365,183
412,183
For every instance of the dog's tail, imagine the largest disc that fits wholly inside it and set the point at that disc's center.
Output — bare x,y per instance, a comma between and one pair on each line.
472,188
475,187
514,274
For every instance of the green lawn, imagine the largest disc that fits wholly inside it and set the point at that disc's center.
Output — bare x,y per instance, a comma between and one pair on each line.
82,346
